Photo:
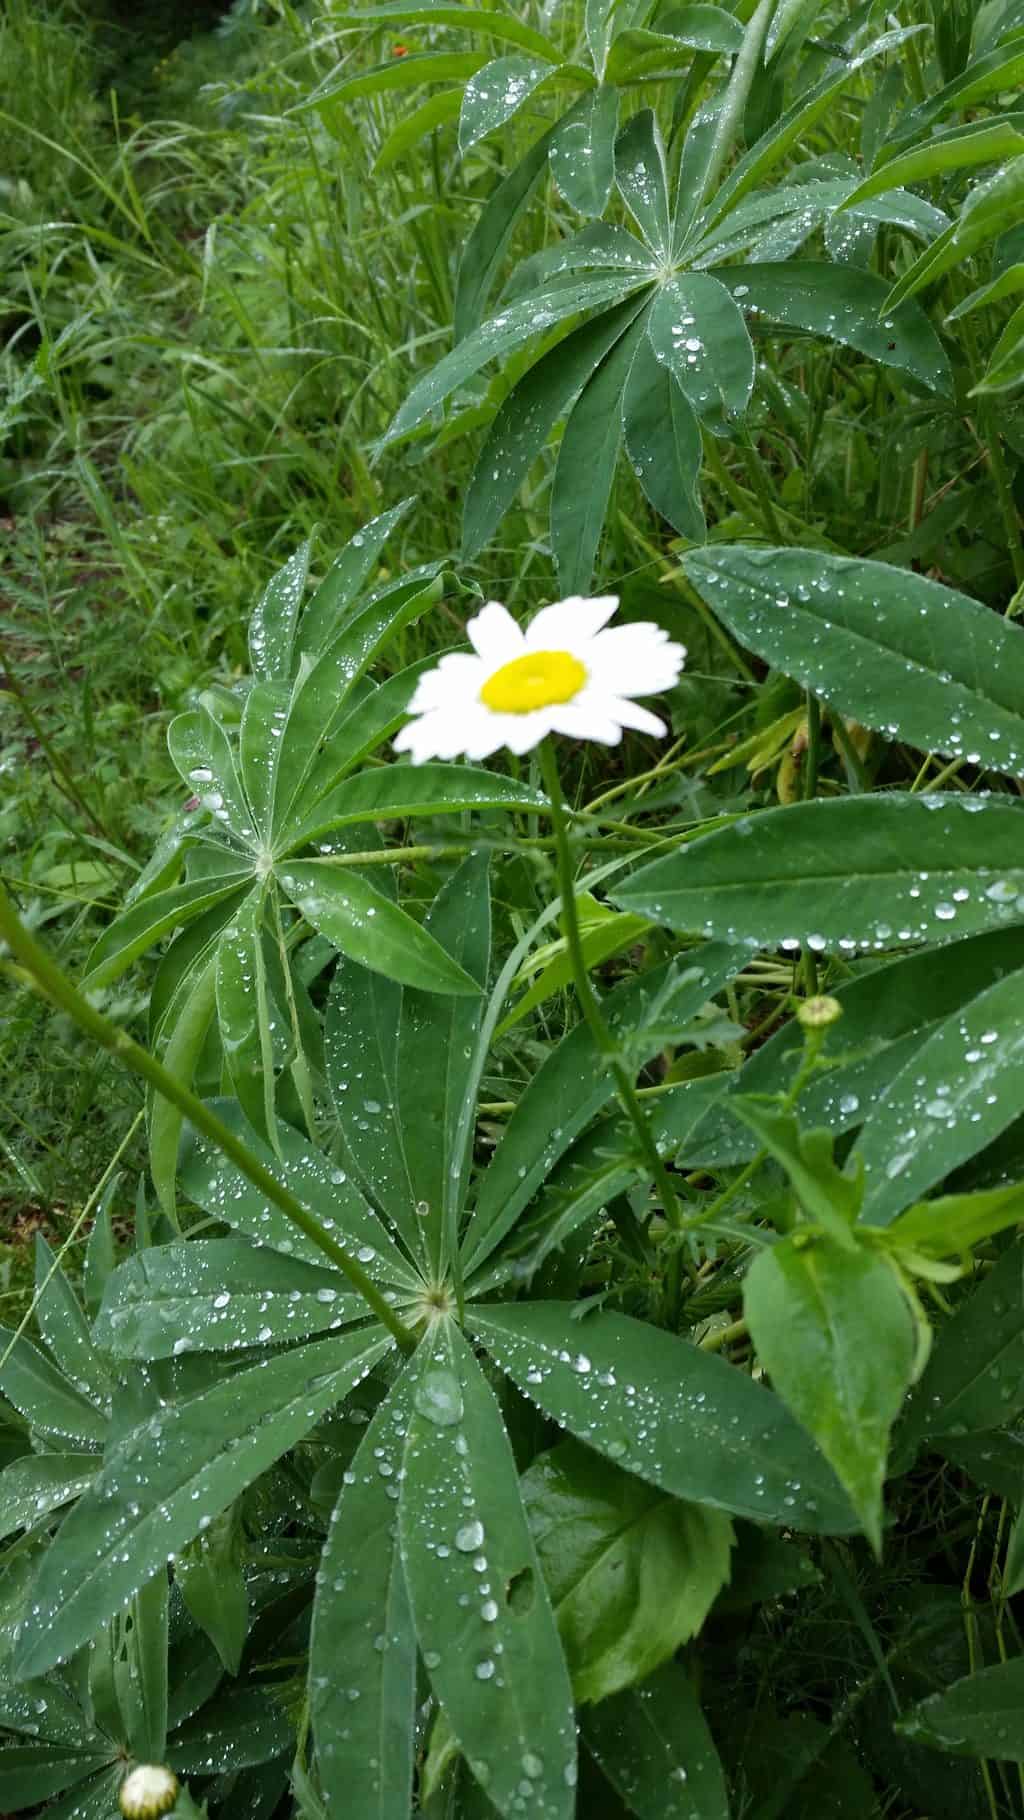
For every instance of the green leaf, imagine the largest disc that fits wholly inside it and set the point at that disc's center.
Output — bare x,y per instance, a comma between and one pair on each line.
435,112
372,720
632,1573
527,416
697,331
511,328
241,1727
228,1195
603,933
1006,364
322,694
974,1379
791,19
180,1051
845,874
1000,70
980,1716
962,1088
485,248
30,1773
643,181
259,748
38,1483
65,1329
209,1573
979,142
44,1396
395,791
216,1295
888,648
836,1334
397,72
140,1670
440,12
574,1082
991,1458
826,1194
204,758
369,928
437,1040
141,927
244,1017
887,1014
843,304
586,465
42,1709
678,1417
653,1744
663,442
497,91
487,1633
993,207
956,1222
582,151
275,616
361,1047
161,1480
362,1638
326,609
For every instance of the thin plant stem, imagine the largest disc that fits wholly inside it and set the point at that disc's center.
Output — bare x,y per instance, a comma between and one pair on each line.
58,770
602,1034
37,967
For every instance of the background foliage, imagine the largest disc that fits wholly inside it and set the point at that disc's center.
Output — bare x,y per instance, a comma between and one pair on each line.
717,307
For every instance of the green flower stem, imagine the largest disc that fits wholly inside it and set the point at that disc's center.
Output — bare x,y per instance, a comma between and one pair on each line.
48,978
589,1006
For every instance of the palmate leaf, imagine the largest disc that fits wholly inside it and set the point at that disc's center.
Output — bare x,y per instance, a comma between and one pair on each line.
45,1397
663,442
482,1612
582,150
585,469
364,924
501,88
844,305
858,871
275,616
698,332
491,233
35,1485
140,927
659,1407
217,1295
642,180
396,791
993,207
219,1187
892,650
362,1663
442,12
160,1480
323,613
65,1330
954,148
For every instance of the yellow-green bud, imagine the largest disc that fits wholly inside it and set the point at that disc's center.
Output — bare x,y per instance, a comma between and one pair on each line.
818,1013
148,1791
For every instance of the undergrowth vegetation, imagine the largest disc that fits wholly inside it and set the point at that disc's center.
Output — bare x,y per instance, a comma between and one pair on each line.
511,1266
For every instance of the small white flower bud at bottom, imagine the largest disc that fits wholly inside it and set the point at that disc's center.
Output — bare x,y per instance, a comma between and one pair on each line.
148,1792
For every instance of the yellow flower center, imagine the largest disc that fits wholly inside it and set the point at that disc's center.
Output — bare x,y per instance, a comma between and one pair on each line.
537,680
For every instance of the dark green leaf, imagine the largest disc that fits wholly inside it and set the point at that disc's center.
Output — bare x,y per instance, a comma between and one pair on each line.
663,442
160,1481
139,928
491,233
209,1574
980,1716
974,1379
678,1417
322,618
274,618
697,331
856,872
642,180
654,1746
582,151
38,1483
844,305
497,91
586,465
242,1726
395,791
441,12
483,1618
216,1295
371,929
363,1643
892,650
47,1399
65,1329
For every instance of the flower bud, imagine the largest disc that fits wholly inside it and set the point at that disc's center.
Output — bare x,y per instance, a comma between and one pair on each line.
818,1013
148,1791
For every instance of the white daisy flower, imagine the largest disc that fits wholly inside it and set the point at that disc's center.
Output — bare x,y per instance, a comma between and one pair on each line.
564,674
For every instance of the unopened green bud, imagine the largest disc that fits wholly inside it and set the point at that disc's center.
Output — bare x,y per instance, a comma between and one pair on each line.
818,1013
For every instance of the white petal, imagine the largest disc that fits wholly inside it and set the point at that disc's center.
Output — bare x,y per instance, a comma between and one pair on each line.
635,660
569,623
457,678
641,720
582,720
495,636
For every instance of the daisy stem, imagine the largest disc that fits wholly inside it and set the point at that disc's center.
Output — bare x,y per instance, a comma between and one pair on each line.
42,972
603,1036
